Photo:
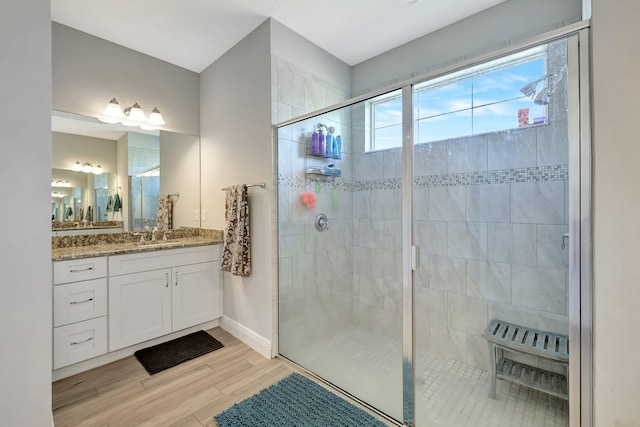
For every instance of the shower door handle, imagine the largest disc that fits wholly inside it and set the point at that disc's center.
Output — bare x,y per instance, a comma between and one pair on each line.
562,243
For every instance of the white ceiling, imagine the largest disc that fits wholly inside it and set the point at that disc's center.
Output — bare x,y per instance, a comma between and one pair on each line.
194,33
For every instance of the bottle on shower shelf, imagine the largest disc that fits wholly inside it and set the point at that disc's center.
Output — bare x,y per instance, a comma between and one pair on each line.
315,143
328,145
337,152
321,143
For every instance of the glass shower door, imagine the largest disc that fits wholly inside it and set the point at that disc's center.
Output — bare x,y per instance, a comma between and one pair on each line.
339,249
490,194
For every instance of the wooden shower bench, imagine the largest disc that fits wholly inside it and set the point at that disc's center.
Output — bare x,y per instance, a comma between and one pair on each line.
554,347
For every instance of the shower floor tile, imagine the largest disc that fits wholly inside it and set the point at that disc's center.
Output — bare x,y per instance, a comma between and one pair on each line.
448,392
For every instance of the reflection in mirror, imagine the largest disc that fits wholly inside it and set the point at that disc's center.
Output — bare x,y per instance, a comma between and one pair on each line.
127,192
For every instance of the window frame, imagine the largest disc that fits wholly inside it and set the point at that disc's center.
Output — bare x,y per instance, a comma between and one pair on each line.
470,73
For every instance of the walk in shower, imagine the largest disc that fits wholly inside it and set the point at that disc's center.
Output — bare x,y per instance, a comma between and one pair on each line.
409,220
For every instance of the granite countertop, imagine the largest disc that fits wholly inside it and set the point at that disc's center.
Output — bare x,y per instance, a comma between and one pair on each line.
65,248
79,225
89,251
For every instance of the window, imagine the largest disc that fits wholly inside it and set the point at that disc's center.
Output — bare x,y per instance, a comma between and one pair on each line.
479,99
386,121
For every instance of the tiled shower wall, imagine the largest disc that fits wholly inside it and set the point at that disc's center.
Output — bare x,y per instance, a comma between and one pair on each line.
489,210
315,269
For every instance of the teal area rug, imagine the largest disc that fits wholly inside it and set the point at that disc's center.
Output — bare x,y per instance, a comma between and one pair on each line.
296,401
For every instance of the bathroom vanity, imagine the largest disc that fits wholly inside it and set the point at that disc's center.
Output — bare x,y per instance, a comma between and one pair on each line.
113,297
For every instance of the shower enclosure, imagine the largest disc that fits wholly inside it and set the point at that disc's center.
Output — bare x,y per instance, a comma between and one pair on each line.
447,203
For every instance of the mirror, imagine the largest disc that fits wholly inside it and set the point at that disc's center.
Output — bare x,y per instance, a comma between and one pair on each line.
127,171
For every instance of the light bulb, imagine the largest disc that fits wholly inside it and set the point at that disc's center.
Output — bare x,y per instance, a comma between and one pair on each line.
136,113
86,168
76,167
97,170
155,118
113,109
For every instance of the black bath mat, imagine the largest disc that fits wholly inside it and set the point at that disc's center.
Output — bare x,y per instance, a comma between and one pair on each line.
172,353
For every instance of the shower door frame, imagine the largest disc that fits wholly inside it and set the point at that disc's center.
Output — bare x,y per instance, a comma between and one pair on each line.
580,221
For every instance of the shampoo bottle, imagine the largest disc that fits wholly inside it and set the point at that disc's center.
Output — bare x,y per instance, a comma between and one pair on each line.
337,153
328,145
321,143
315,143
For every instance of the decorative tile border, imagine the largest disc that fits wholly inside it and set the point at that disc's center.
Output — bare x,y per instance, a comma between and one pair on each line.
505,176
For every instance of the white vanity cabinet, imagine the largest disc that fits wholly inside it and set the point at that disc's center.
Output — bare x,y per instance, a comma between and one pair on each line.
79,310
155,293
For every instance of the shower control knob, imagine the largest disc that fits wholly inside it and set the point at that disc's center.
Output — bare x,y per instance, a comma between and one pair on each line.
322,223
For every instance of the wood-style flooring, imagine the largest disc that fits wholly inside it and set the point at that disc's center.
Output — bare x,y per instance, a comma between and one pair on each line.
122,393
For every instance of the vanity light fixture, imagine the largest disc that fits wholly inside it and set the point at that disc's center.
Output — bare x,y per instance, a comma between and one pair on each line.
131,116
59,183
87,167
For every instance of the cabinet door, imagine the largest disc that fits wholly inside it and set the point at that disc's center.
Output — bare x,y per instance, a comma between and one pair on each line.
196,294
139,307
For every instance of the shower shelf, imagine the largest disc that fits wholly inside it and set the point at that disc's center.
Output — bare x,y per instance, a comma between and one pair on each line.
322,156
328,172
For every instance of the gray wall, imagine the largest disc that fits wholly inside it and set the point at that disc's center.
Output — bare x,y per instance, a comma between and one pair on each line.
25,252
616,91
89,71
235,131
483,32
68,149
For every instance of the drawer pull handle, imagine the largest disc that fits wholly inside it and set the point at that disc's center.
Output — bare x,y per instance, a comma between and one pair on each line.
166,277
81,270
81,342
176,278
81,302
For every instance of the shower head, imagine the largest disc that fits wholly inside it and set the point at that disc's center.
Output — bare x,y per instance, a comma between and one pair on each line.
549,83
543,97
529,90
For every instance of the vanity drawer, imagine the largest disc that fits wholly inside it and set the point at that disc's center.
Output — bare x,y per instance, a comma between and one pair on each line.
79,269
79,341
165,258
75,302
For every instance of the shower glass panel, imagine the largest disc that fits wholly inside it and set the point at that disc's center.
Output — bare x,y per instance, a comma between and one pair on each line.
144,189
490,211
340,291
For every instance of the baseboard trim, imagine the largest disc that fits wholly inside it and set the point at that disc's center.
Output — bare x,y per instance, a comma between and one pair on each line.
247,336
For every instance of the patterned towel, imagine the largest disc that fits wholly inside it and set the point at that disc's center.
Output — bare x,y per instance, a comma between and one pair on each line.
236,251
165,212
